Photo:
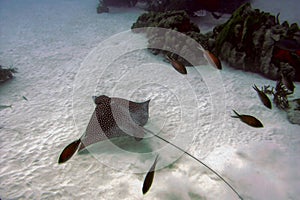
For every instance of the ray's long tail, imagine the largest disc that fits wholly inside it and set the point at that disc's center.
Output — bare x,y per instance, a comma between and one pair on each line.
202,163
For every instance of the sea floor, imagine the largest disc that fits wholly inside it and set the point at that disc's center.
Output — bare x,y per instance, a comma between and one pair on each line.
52,42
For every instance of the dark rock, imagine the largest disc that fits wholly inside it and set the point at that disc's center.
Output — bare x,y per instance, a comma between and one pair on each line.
174,20
6,74
102,7
191,6
118,3
178,20
293,112
250,40
166,5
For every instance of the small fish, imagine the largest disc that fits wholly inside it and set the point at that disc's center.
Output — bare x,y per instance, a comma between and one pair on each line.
24,98
263,97
2,107
69,151
211,58
287,82
250,120
149,177
177,65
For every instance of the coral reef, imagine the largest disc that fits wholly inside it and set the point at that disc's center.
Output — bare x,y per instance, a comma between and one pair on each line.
281,100
191,6
166,5
255,41
178,20
280,94
103,4
250,40
174,20
129,3
6,74
102,7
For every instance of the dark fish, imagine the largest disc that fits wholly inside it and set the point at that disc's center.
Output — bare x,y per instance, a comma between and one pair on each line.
2,107
287,44
177,65
263,97
24,98
212,59
149,177
113,117
287,82
68,151
250,120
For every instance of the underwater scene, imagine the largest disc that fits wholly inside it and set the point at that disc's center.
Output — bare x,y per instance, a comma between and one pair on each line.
149,99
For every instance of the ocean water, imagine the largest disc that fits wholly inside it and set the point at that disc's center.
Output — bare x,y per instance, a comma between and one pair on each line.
65,53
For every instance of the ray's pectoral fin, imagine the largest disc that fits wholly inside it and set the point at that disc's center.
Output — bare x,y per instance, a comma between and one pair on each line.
139,112
69,151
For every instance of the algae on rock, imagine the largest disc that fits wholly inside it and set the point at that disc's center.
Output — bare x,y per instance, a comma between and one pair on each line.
167,40
248,41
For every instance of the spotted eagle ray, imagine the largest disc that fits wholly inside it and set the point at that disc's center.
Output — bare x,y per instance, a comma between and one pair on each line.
115,117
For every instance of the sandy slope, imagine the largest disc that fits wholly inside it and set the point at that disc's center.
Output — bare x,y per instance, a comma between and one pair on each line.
49,40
